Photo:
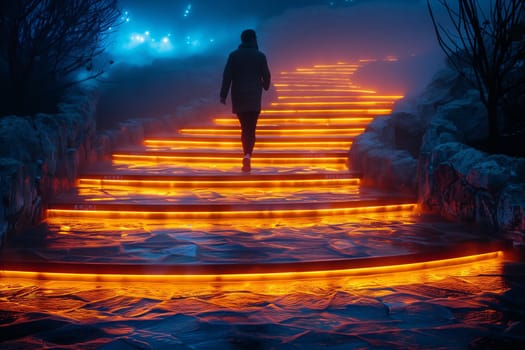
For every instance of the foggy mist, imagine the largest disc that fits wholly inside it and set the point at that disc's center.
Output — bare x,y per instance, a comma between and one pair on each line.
170,54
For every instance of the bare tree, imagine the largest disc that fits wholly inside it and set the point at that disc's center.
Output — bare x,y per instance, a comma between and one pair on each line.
483,45
45,43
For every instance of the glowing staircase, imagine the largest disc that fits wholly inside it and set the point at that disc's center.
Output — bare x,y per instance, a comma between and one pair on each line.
302,146
189,187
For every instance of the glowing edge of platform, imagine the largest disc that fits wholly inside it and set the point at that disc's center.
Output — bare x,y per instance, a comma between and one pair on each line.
231,277
218,183
266,213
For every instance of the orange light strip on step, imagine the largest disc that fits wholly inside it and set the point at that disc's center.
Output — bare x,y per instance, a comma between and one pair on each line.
342,65
389,270
327,111
333,103
388,98
324,82
178,194
321,69
309,77
259,145
235,158
326,85
287,88
270,132
265,121
334,163
212,184
155,215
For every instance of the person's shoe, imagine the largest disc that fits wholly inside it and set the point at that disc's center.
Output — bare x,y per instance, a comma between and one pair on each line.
246,164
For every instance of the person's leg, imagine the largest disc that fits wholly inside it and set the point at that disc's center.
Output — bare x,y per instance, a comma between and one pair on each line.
248,122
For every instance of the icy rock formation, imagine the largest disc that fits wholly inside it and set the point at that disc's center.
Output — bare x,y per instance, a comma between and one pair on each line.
387,152
41,155
422,148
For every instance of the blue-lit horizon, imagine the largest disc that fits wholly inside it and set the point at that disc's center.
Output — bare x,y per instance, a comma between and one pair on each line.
165,29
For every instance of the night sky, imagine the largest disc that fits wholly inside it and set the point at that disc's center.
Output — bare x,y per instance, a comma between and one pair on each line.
161,28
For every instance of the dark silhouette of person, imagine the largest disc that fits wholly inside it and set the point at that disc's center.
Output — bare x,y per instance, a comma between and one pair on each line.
247,73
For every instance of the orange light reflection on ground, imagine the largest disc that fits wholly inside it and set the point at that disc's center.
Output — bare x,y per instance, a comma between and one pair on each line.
389,273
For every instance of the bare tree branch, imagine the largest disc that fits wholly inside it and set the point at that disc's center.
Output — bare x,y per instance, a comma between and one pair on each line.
45,43
480,45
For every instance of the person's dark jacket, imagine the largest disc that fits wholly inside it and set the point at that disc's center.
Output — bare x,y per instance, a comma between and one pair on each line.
247,73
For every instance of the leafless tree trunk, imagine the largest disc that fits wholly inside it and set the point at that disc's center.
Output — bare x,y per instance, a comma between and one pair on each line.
44,43
481,44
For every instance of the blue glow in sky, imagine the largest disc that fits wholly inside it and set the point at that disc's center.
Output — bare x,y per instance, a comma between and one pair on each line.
180,28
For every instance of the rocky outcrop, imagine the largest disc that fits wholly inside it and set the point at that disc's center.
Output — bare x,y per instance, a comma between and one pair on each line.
422,149
41,155
464,184
387,152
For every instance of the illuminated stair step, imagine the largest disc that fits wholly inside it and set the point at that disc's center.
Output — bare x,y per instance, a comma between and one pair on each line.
332,163
323,67
286,120
318,73
323,225
336,65
323,114
319,90
274,131
324,111
334,104
116,179
457,254
237,154
228,167
347,97
231,158
238,210
219,195
260,138
213,144
314,80
277,144
264,128
317,84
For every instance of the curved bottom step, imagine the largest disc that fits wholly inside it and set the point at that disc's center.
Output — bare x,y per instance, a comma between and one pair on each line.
457,254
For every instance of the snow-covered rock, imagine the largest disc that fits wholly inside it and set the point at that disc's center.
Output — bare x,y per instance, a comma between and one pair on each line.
422,148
